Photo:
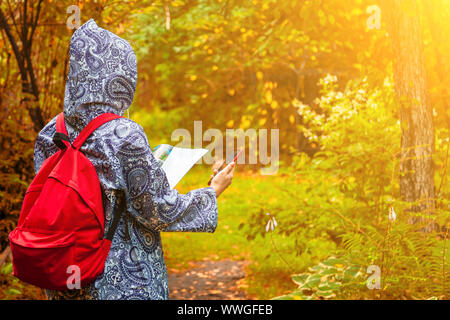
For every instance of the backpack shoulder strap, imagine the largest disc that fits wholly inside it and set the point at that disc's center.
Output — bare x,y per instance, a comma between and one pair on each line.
91,127
60,137
60,124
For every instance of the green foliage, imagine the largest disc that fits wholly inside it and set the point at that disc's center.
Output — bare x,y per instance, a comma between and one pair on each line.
158,125
240,64
14,288
414,264
339,202
326,280
350,176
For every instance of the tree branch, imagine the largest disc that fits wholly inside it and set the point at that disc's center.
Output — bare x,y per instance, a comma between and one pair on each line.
5,26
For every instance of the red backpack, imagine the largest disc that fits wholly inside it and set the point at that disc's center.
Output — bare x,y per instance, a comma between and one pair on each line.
59,237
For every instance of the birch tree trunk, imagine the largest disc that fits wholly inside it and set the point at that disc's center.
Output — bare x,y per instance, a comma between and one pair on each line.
417,143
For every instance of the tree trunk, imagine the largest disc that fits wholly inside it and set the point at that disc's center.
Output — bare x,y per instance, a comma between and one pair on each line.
416,162
23,55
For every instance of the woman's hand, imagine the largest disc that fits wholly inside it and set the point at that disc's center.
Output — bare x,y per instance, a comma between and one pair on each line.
222,179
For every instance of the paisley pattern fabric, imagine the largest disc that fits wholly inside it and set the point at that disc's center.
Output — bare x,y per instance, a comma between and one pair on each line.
102,78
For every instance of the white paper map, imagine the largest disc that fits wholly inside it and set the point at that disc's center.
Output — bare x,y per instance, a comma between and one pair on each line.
176,162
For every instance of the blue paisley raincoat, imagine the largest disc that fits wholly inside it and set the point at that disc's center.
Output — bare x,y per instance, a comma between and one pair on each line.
102,78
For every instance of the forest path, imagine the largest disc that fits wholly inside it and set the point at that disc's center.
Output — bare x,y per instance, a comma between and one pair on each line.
209,280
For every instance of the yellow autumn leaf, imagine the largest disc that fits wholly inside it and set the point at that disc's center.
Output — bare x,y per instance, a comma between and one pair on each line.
291,119
268,96
274,105
259,75
268,85
245,123
193,77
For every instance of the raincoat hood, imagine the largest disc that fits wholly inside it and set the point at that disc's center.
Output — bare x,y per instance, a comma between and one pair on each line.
102,75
